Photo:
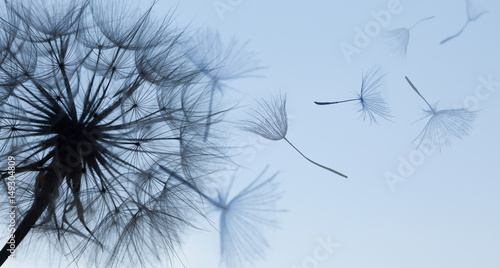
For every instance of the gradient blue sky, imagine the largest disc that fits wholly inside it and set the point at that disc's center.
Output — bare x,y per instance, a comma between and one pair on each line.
446,213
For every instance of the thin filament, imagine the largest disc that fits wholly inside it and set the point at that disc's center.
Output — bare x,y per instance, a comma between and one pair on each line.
317,164
418,22
209,114
457,34
416,90
335,102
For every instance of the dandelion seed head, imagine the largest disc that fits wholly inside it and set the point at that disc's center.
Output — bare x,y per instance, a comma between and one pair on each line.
270,121
400,39
243,219
221,62
42,20
445,124
473,12
89,97
370,100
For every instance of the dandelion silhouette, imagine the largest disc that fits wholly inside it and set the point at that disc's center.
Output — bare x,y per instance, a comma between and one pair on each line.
443,124
85,114
220,63
473,13
369,99
401,37
242,217
270,122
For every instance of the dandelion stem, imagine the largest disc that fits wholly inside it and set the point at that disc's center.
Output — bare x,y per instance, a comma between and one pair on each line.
418,22
41,202
209,114
335,102
416,90
457,34
317,164
191,186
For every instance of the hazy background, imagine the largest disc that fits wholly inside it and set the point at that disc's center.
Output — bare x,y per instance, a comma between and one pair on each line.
446,213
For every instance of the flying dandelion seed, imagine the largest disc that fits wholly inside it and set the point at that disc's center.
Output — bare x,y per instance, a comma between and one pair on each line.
443,124
401,37
242,217
270,122
220,63
369,99
94,95
473,13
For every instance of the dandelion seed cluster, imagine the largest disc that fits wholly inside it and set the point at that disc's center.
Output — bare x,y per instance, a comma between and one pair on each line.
94,96
220,63
369,98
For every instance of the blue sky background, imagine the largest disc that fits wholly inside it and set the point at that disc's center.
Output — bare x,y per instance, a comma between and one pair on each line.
445,214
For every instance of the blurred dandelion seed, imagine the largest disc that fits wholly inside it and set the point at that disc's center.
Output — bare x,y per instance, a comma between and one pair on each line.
242,217
443,124
473,13
220,63
401,37
270,122
369,99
